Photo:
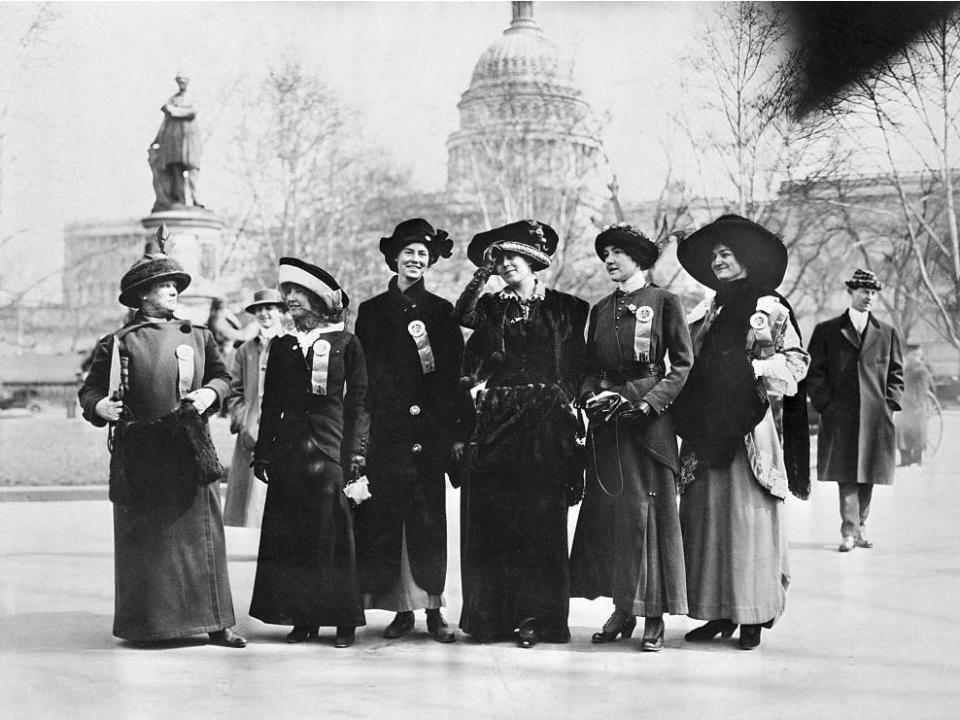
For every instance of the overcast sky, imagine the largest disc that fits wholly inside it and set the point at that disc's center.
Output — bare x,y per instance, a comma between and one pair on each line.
82,114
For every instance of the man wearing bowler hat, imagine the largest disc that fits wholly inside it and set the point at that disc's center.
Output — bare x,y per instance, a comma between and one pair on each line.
855,382
413,348
245,494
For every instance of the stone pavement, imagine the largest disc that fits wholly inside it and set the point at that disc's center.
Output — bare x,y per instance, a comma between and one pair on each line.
868,634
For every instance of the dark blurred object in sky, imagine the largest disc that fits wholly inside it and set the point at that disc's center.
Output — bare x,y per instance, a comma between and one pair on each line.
844,41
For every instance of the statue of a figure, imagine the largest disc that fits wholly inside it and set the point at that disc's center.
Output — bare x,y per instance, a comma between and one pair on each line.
174,155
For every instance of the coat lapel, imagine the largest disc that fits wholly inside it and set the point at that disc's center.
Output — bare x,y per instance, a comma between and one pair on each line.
849,332
870,334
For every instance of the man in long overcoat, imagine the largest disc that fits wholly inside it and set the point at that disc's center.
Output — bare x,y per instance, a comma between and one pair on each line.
153,381
413,348
855,382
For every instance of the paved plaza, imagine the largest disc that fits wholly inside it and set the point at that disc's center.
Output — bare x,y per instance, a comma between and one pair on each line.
867,634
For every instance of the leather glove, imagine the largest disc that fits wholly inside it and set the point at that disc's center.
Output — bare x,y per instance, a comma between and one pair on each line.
260,471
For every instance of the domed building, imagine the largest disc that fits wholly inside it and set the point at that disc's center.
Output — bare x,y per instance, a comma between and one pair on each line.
528,143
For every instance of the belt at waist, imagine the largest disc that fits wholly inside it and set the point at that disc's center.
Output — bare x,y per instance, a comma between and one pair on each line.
611,378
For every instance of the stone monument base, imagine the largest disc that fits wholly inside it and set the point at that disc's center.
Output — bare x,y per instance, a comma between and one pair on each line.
195,234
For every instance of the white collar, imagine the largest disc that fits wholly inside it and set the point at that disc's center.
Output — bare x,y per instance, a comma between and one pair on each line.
633,283
539,291
267,334
858,317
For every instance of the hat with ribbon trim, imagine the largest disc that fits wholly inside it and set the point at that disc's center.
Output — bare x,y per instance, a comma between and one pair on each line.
416,230
761,252
863,279
316,280
153,267
626,237
534,240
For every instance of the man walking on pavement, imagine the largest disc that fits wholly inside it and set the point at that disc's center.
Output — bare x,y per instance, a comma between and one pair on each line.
855,382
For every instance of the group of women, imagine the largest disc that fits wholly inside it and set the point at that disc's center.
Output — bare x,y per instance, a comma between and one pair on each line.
641,370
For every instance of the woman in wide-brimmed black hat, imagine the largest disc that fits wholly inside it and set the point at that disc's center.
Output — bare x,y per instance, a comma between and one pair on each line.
627,545
735,472
154,381
527,354
413,348
312,441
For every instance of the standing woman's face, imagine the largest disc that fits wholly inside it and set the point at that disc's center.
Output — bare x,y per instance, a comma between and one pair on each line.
513,268
412,261
725,264
161,299
299,300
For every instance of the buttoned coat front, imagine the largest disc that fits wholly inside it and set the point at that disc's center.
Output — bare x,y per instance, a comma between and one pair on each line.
856,384
414,419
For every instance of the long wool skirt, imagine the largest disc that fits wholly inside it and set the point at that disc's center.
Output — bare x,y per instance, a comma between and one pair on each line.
306,567
627,545
171,570
514,516
734,546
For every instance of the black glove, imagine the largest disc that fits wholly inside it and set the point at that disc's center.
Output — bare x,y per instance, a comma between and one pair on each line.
260,470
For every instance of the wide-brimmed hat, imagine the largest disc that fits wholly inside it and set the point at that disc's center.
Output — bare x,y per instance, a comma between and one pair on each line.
760,251
316,280
628,238
534,240
863,279
154,266
267,296
416,230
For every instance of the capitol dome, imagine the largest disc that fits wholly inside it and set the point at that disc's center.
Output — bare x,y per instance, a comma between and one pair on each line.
523,54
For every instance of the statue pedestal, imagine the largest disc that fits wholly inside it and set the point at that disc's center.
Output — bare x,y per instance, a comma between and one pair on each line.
195,238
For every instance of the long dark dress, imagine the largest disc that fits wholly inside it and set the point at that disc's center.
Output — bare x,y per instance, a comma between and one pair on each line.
169,556
627,544
524,463
306,567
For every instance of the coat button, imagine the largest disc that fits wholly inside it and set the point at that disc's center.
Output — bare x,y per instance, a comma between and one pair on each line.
416,448
414,410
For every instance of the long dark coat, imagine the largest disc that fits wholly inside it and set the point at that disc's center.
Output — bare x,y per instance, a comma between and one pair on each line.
414,417
855,384
306,567
627,544
524,463
169,555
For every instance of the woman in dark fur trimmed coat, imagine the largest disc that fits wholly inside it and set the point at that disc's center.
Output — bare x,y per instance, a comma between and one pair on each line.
525,466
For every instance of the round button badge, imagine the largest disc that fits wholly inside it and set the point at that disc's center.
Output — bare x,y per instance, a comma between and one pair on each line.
416,449
416,328
414,410
645,314
758,321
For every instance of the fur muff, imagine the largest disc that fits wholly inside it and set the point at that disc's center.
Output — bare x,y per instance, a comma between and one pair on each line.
161,463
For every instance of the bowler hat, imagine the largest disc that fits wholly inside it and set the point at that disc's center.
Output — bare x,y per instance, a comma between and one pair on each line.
760,251
863,279
628,238
267,296
416,230
534,240
316,280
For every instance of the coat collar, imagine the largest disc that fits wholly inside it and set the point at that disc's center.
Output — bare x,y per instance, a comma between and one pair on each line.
413,294
848,331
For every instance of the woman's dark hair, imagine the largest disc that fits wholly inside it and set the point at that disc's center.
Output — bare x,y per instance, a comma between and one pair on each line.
632,252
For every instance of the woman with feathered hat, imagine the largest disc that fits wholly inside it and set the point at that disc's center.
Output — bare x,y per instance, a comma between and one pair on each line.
627,545
154,381
312,440
525,361
735,472
413,348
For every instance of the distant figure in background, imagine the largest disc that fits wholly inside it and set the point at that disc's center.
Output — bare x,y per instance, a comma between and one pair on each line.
918,393
174,154
153,381
413,348
227,329
856,384
245,494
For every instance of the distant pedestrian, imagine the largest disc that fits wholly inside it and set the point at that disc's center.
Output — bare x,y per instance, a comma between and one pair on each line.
313,437
154,381
246,494
856,384
413,348
919,395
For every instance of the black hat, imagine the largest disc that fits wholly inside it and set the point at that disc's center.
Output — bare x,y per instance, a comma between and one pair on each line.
628,238
416,230
267,296
152,267
756,248
534,240
864,279
316,280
